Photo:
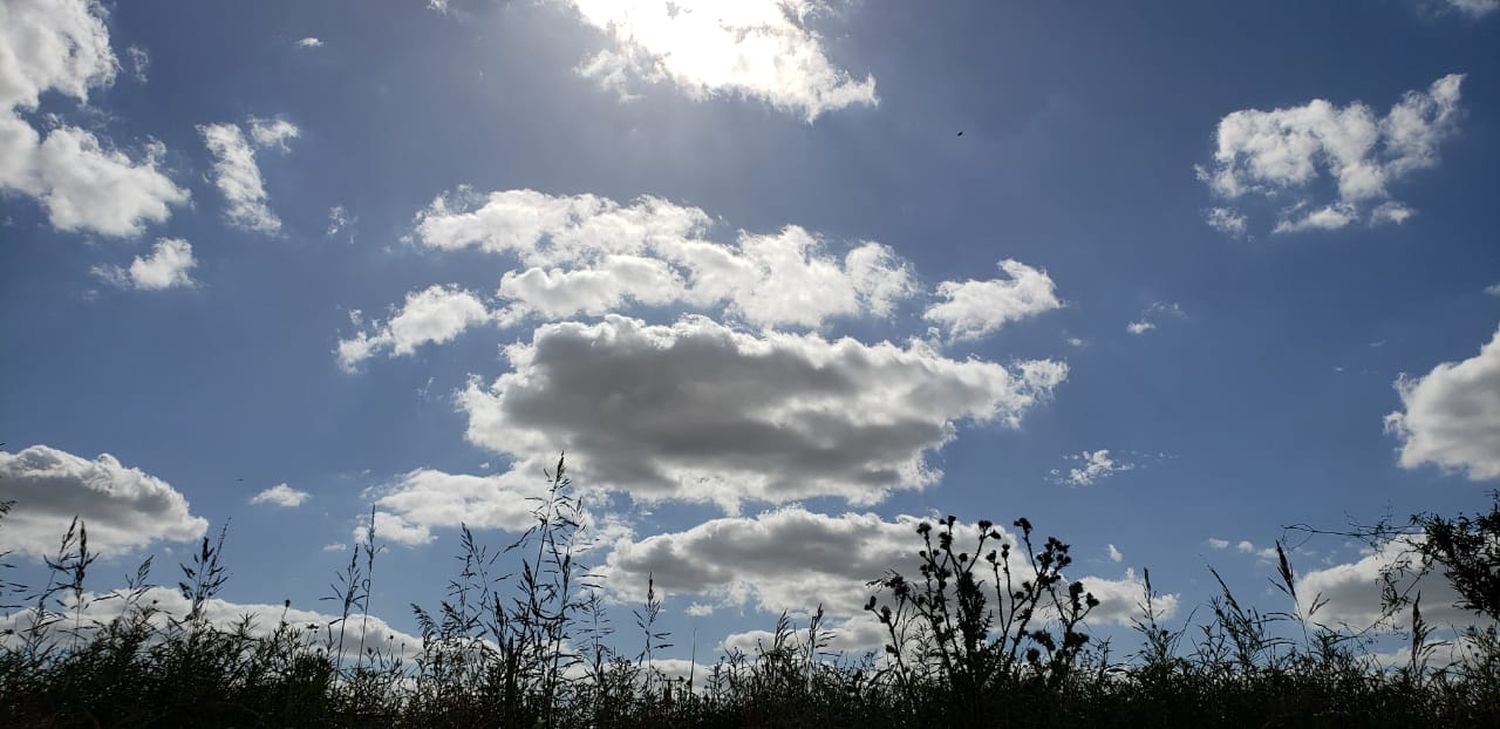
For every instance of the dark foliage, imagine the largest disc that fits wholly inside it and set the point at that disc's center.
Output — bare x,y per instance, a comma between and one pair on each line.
988,633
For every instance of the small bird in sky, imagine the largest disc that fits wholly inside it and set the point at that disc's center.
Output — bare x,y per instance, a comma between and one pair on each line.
960,134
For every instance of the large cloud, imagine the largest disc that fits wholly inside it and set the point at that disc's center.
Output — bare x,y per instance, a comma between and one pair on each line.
436,314
123,508
1280,154
1451,415
82,183
756,48
591,255
1350,594
793,560
973,309
699,411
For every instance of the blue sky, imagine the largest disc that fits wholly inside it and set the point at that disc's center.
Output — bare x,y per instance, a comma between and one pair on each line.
1242,241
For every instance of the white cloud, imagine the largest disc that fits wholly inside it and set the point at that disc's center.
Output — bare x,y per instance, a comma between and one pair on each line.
1115,555
167,267
699,411
1151,315
1097,466
793,560
763,49
1353,596
973,309
339,221
1244,546
1248,547
82,183
1283,153
1391,211
435,314
408,509
790,559
1331,217
1120,598
309,42
281,495
852,636
123,508
336,547
1226,220
101,608
1450,417
140,62
267,133
1474,8
238,178
1493,289
698,610
590,255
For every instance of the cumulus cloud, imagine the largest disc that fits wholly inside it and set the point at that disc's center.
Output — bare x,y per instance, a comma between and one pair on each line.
1282,155
168,266
408,509
281,495
310,42
1115,555
699,411
591,255
1450,417
1349,594
236,173
762,49
435,314
792,559
83,183
1097,466
1217,543
124,508
1248,547
973,309
99,609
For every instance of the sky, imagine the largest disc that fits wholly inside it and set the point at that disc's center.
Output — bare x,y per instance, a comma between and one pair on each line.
781,277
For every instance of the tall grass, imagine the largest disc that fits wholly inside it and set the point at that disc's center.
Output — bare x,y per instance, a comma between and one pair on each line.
988,632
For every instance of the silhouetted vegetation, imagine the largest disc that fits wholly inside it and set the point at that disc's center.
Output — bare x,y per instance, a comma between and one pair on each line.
988,632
